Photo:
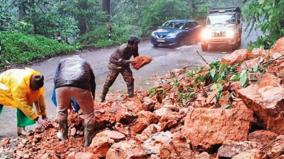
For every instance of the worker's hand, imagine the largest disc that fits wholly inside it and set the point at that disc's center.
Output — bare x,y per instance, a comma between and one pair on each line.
42,124
44,117
41,121
129,61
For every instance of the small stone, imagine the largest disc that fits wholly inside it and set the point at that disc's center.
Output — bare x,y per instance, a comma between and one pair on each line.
5,142
73,131
37,138
26,156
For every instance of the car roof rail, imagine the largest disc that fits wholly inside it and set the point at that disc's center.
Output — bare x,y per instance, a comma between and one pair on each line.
224,10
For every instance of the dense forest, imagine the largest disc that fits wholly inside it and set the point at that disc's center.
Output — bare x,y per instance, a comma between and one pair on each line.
28,26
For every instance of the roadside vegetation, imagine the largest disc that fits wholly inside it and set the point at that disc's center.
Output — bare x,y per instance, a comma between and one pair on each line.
18,48
268,16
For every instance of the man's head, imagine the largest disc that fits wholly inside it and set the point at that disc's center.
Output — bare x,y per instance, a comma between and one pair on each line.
36,82
133,42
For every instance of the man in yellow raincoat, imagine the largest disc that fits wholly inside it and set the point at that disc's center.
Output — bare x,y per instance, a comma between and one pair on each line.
21,89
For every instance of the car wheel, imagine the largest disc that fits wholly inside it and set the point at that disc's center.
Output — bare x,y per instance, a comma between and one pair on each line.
204,47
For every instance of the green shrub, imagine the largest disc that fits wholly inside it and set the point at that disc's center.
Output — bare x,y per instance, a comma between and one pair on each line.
18,48
268,17
98,38
160,11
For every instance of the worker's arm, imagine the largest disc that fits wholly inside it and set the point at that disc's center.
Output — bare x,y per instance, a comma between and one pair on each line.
19,97
41,106
26,108
135,53
115,58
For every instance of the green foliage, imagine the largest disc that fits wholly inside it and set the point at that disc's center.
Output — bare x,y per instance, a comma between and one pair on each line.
193,72
160,11
99,36
244,78
153,91
23,27
18,48
51,23
175,83
268,15
219,72
88,13
186,96
217,87
7,18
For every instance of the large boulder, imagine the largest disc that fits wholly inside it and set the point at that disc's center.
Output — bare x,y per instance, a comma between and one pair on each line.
266,99
123,114
153,144
170,120
262,136
250,154
130,149
231,149
81,155
257,52
145,118
103,141
278,47
206,128
274,149
237,56
149,131
179,147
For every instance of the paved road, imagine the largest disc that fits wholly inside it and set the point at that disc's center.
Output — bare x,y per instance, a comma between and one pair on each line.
164,60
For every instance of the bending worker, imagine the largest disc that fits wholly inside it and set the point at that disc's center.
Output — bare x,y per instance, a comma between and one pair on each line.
74,78
119,64
21,88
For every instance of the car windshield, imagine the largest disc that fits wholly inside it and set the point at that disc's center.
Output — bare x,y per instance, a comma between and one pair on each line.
221,19
173,25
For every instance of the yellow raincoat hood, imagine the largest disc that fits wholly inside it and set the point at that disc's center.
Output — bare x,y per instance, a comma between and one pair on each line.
18,93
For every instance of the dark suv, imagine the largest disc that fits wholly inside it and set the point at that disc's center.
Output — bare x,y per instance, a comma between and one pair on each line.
176,32
223,26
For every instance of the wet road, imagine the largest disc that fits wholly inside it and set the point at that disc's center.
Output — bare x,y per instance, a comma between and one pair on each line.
164,60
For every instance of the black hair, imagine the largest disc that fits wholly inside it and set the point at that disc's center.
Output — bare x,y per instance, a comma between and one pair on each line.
37,82
133,40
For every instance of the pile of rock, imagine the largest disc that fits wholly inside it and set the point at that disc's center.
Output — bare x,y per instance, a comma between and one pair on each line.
160,124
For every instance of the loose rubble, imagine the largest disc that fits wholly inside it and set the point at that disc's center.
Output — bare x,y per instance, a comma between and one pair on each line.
229,109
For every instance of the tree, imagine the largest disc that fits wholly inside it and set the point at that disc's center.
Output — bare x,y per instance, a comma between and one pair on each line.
106,6
86,12
268,15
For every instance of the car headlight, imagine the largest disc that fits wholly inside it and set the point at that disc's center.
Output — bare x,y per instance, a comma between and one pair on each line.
230,33
172,35
153,34
206,34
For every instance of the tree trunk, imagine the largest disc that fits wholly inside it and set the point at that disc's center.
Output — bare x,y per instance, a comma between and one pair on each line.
82,20
82,25
106,6
21,10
